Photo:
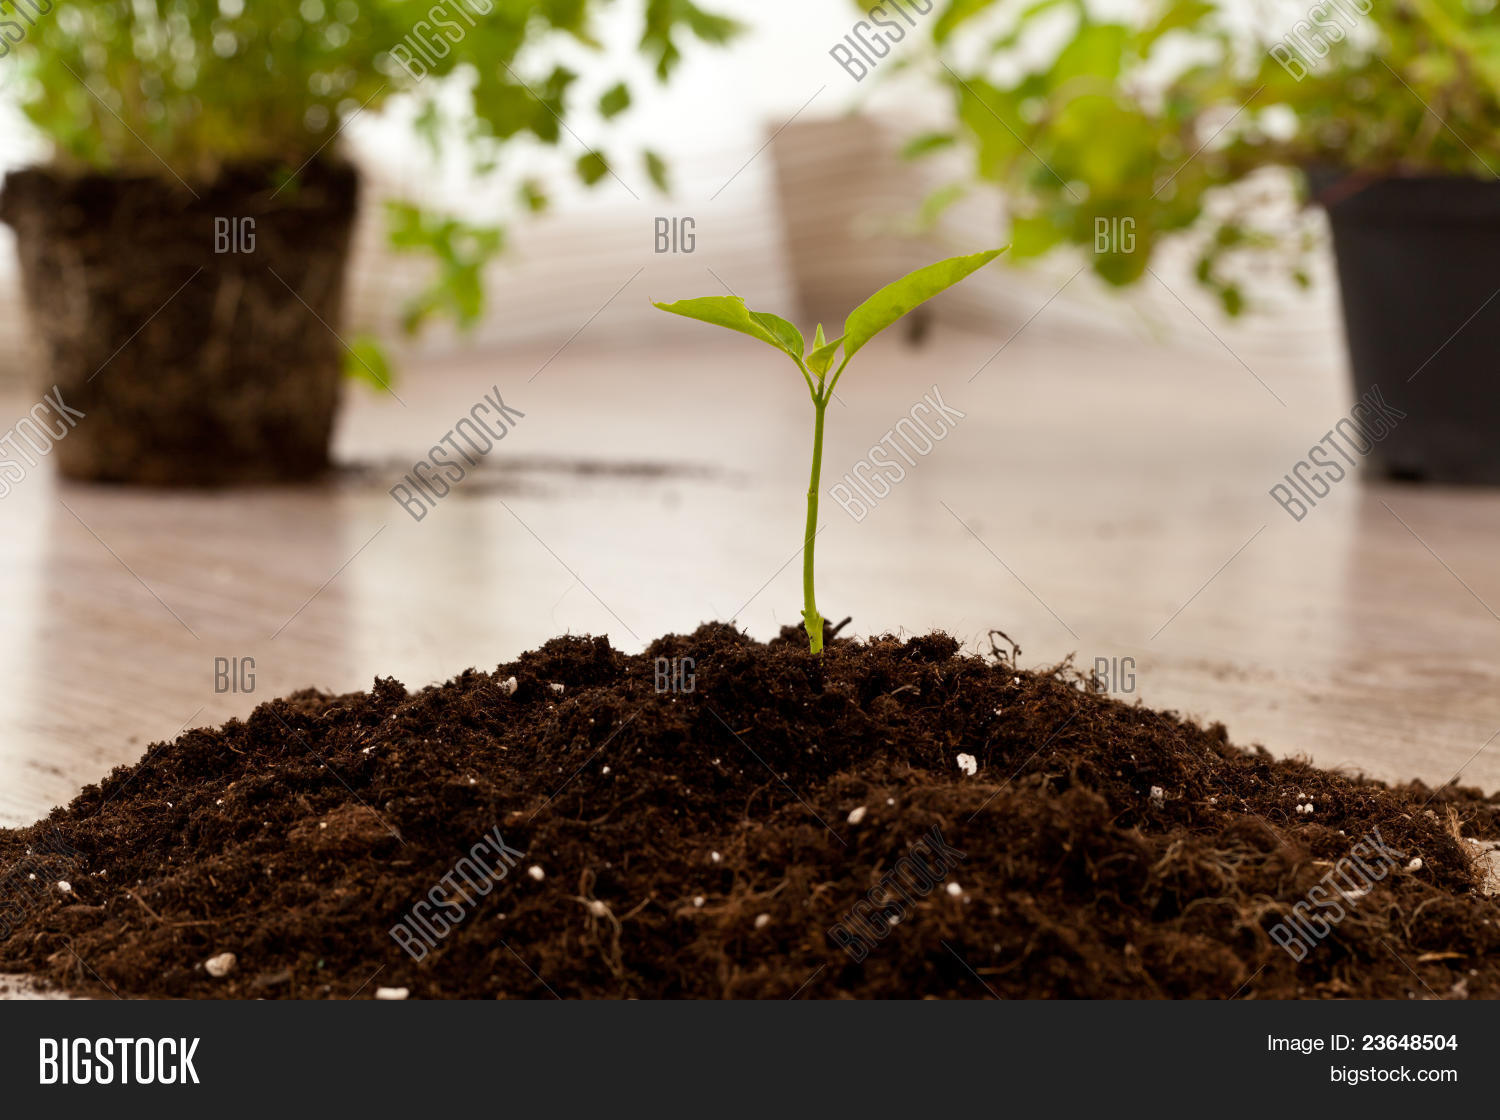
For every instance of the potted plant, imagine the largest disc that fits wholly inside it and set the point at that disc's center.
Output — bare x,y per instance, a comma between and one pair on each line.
183,250
1115,135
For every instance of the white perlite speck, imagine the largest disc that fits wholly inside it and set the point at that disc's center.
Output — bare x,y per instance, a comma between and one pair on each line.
392,993
762,921
955,890
857,815
1158,797
968,764
221,965
536,872
1415,864
557,688
64,886
509,686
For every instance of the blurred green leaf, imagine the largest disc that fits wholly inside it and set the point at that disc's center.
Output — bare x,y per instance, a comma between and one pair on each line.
533,196
953,15
1097,51
1180,15
365,360
1033,235
926,143
614,101
592,166
656,168
938,202
983,109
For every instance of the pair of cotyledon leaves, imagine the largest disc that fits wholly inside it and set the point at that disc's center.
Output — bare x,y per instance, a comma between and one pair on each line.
864,322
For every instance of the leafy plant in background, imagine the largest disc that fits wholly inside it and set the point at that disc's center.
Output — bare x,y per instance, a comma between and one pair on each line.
864,323
185,88
1087,121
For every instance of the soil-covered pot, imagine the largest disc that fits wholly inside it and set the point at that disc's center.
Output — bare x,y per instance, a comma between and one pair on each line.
194,328
1417,269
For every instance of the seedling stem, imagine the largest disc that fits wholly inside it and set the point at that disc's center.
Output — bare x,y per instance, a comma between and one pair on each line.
864,322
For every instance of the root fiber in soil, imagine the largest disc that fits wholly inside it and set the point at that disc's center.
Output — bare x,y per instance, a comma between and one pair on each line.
791,826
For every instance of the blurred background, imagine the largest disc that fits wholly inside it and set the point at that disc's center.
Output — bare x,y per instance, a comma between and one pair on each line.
790,168
1106,495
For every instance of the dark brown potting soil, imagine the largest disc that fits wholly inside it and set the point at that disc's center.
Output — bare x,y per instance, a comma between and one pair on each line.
733,840
194,327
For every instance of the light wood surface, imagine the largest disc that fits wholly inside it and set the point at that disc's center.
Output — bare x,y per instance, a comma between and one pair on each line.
1097,499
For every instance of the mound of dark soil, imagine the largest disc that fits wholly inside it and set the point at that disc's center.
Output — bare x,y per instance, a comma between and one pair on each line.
792,826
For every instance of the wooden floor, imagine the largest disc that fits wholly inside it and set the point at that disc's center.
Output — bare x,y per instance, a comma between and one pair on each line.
1099,498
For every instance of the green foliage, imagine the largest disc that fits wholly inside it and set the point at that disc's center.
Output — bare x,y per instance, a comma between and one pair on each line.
656,169
1151,119
184,88
895,300
461,251
877,313
614,100
365,360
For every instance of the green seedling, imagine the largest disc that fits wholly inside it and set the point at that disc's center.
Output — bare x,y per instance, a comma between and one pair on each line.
864,323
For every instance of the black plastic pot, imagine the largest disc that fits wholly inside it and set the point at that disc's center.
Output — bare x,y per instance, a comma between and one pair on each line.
1419,272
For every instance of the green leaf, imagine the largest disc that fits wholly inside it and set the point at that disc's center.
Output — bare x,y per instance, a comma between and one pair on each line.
730,312
927,142
533,196
365,360
1180,14
656,168
1232,300
592,166
983,109
661,19
896,299
820,358
787,337
1096,51
954,14
936,204
1033,235
614,100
